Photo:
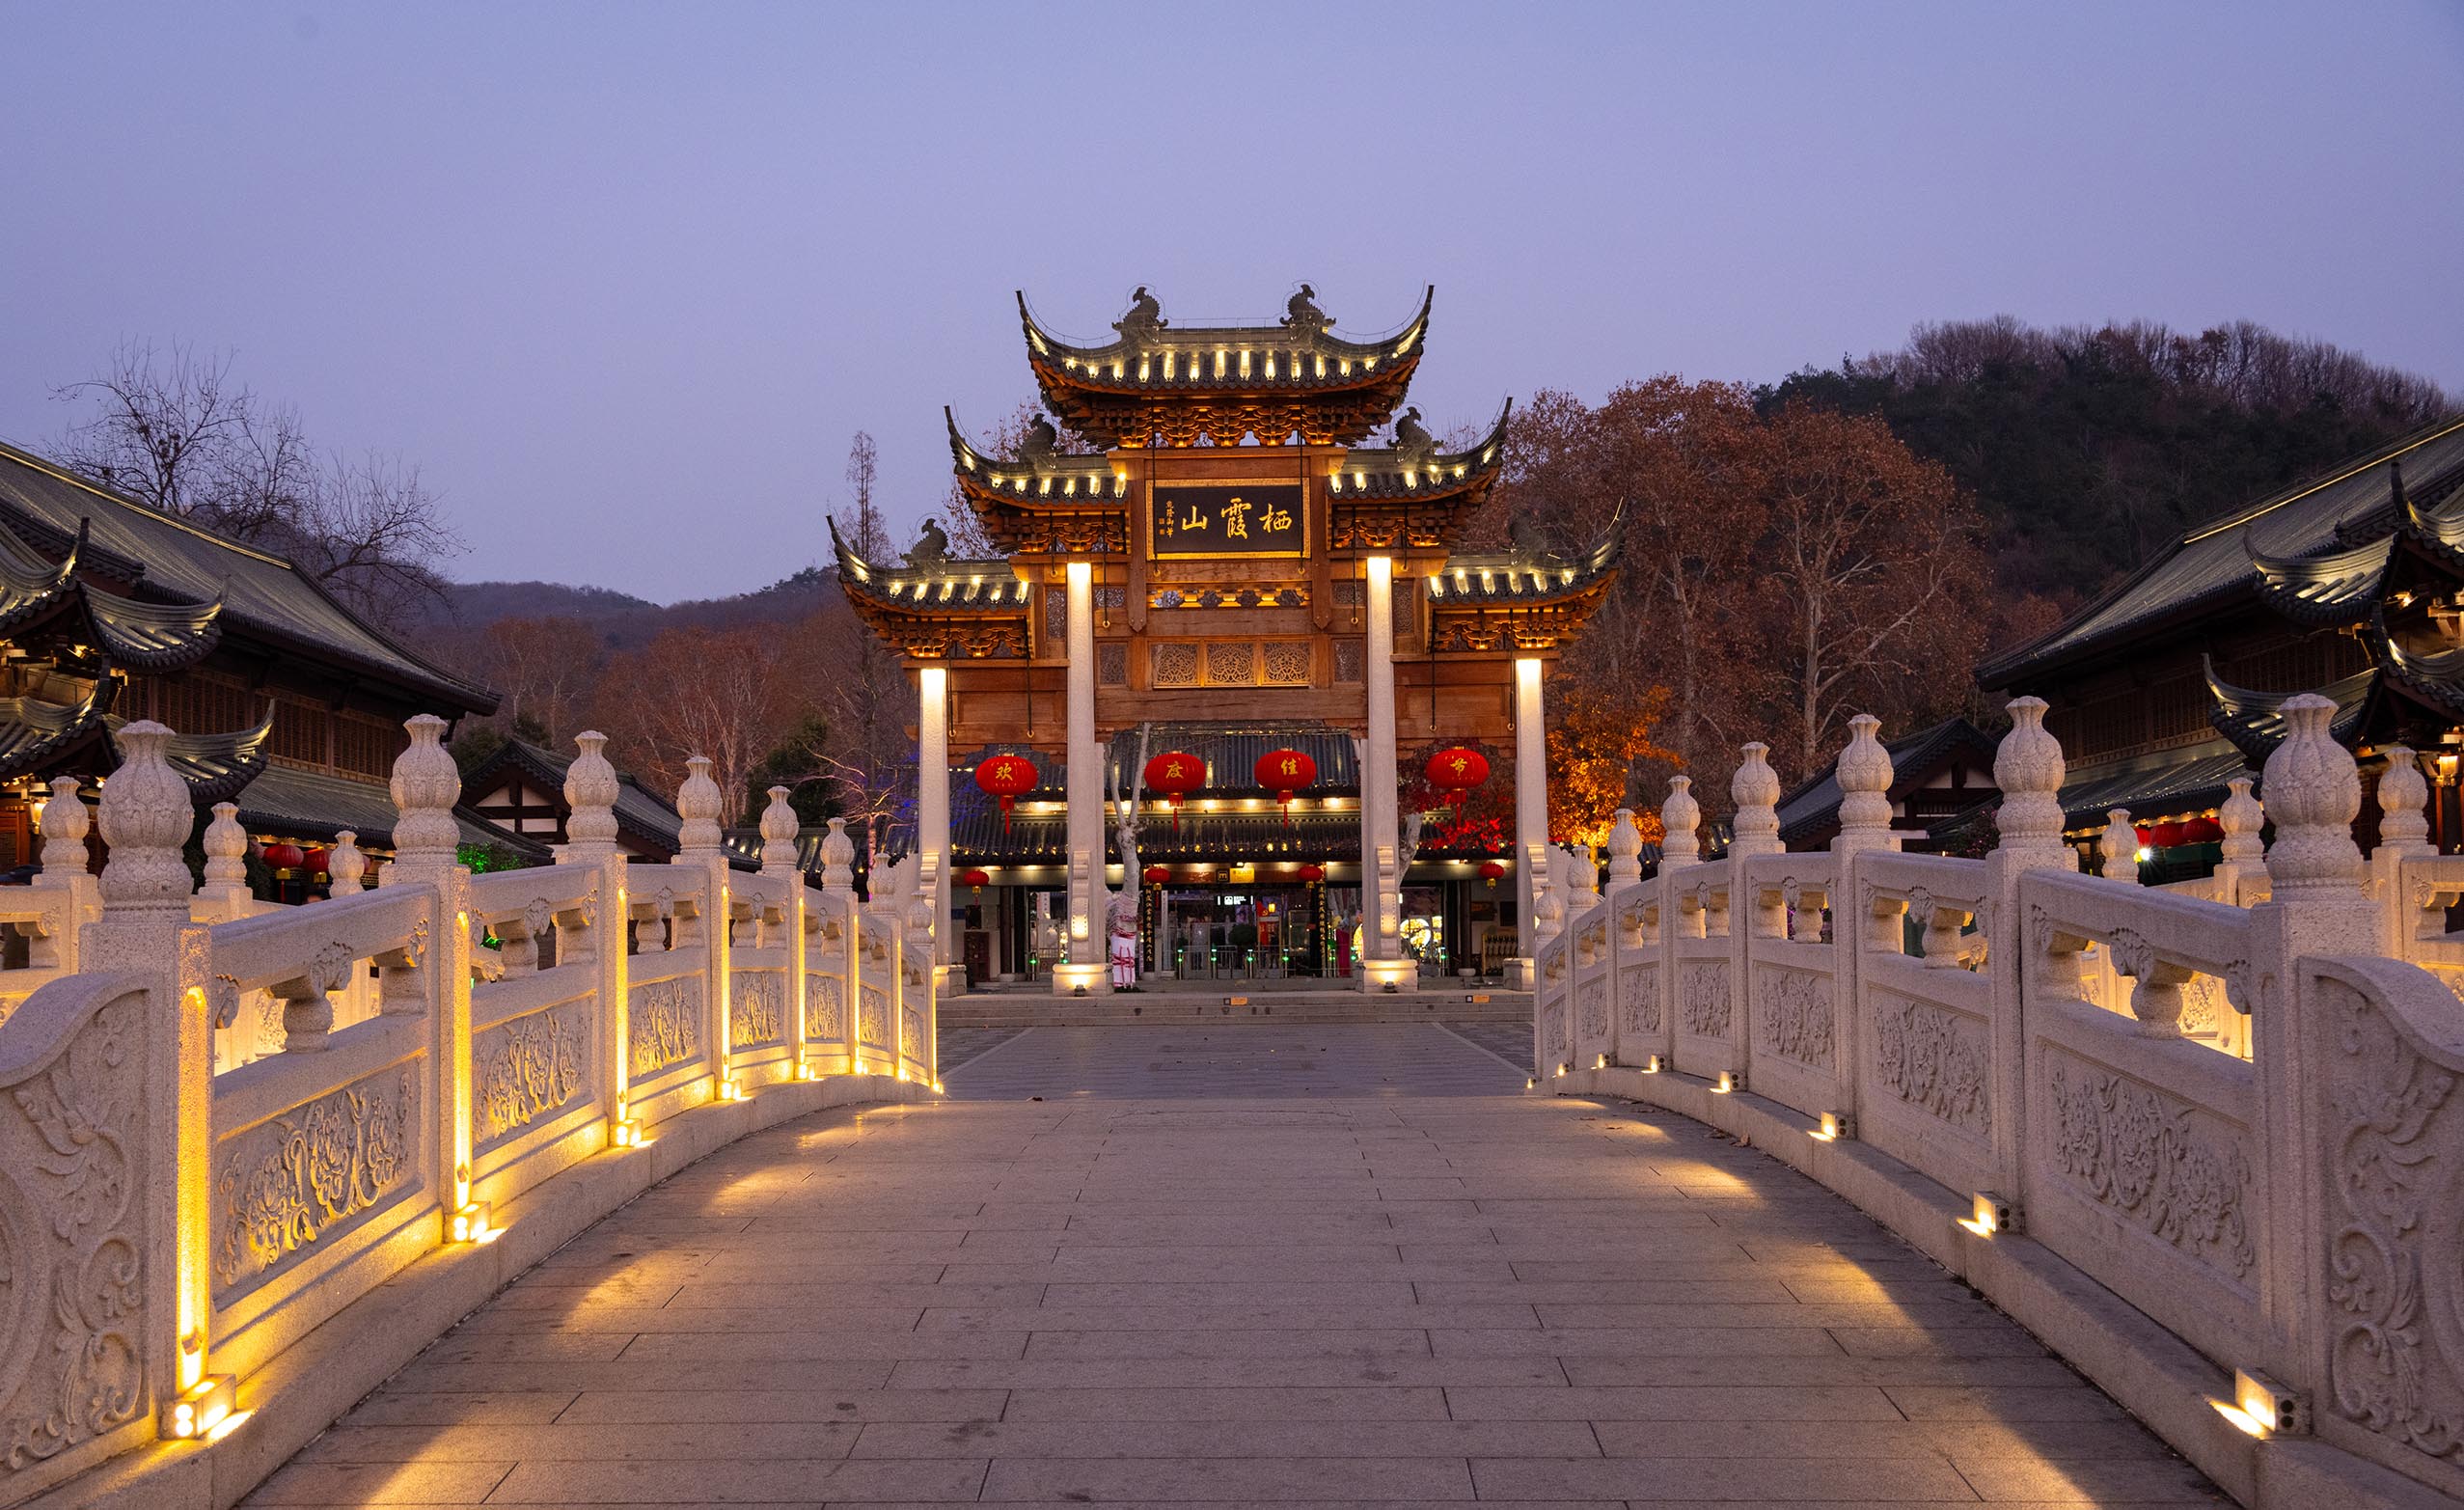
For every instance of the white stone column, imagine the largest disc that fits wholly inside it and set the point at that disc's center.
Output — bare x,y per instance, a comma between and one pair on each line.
1382,938
1531,810
932,799
1082,927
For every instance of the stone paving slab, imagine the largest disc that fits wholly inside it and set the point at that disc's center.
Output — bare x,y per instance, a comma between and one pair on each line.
1235,1285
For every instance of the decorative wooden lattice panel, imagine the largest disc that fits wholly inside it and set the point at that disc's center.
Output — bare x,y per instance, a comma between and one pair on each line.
1231,663
1287,663
1350,658
1176,664
1112,664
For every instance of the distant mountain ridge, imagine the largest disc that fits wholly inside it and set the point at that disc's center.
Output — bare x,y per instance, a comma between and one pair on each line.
624,620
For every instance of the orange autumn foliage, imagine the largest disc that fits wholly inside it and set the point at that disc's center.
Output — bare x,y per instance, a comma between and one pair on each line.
1596,738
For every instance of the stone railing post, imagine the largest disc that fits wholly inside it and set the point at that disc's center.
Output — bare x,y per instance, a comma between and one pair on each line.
224,895
1864,774
1755,790
425,785
2029,768
590,791
2403,834
143,931
2317,906
839,909
701,847
1625,881
2242,818
887,914
2118,848
346,868
779,826
64,824
920,983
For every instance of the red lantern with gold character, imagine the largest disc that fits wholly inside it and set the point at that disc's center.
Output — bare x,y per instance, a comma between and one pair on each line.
1284,772
1313,873
1455,772
1007,777
976,880
1176,772
1491,871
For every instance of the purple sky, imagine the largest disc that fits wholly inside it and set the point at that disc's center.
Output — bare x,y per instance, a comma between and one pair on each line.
624,278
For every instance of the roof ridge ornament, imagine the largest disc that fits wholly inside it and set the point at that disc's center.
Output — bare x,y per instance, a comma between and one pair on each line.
1303,317
1145,323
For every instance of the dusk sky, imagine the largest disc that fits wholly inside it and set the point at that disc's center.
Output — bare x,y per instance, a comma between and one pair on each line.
622,280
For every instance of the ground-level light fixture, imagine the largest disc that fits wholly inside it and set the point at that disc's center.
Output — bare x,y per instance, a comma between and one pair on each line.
625,1133
1995,1213
1729,1081
1836,1125
2263,1408
470,1223
199,1408
730,1088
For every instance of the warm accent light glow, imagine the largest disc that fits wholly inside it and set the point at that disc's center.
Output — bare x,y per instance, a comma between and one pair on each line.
199,1408
625,1133
1726,1082
1834,1127
470,1224
730,1088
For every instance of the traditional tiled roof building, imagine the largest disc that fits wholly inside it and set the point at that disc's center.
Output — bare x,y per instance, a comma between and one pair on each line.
285,701
1235,571
2350,585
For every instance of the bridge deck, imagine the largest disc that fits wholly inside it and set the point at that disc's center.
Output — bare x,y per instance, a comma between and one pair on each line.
1226,1281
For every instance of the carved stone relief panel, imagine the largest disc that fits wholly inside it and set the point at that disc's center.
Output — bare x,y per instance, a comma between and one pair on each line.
2155,1160
527,1069
1592,1001
2392,1226
1702,997
825,1007
872,1017
1932,1059
290,1181
912,1027
1792,1016
666,1025
73,1246
756,1009
1638,998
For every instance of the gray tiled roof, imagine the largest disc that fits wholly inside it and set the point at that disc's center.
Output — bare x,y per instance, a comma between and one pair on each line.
2213,562
185,564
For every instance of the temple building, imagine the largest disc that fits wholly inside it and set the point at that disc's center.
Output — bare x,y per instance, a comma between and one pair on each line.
285,701
1227,568
2171,686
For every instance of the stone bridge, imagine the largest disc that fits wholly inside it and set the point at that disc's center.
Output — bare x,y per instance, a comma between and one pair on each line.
1850,1177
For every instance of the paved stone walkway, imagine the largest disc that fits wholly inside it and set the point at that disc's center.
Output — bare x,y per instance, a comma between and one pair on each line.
1352,1296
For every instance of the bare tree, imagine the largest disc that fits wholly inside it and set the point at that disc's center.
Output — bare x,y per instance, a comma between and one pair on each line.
175,432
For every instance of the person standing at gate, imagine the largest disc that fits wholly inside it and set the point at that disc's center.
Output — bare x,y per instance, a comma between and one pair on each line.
1123,924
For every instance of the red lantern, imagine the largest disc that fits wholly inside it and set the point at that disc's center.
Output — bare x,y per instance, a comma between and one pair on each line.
283,855
1155,875
1007,777
1457,771
2147,836
1284,772
314,861
2167,835
2203,831
977,879
1491,871
1175,773
1313,873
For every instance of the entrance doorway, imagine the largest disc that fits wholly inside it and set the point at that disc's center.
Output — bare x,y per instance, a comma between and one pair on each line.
1237,932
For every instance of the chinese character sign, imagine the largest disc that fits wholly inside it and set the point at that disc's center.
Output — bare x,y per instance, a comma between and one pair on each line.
1228,519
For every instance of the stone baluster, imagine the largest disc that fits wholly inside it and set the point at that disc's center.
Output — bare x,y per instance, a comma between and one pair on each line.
1859,929
1624,849
2118,847
2317,906
225,895
780,826
2029,770
64,824
1864,774
425,785
146,822
346,868
841,925
699,801
2403,834
1681,819
2244,859
590,791
1755,789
